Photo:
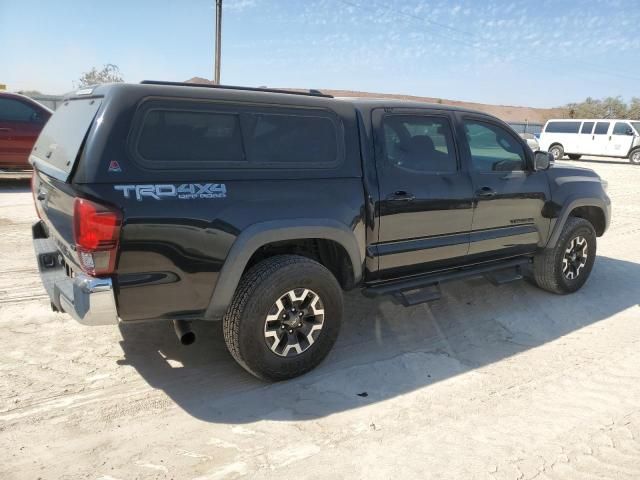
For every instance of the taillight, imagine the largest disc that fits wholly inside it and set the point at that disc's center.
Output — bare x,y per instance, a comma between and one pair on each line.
96,230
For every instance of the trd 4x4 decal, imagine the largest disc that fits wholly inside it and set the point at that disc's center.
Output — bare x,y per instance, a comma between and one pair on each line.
185,191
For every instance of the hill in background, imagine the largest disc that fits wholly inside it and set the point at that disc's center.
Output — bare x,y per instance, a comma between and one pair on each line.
507,113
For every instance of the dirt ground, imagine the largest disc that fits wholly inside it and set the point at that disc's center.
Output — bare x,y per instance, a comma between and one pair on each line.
490,382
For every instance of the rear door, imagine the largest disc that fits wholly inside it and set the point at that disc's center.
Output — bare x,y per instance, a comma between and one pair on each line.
586,144
620,140
601,138
508,195
425,195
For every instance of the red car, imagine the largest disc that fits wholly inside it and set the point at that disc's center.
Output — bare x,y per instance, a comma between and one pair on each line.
21,120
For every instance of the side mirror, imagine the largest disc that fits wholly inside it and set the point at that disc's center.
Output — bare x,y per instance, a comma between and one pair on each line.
542,160
629,132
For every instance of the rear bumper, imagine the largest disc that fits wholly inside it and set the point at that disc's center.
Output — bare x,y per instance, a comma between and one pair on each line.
89,300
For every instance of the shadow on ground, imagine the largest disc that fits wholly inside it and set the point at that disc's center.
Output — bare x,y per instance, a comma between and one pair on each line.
384,350
15,183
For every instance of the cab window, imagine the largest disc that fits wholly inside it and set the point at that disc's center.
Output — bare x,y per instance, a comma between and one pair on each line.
419,143
493,148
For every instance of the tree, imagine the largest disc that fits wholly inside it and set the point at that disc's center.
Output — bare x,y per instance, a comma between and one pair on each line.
110,73
614,107
633,111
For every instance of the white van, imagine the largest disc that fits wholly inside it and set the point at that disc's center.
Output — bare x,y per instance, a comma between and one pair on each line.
603,138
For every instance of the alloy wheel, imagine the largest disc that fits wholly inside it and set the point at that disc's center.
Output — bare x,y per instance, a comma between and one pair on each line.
294,322
575,258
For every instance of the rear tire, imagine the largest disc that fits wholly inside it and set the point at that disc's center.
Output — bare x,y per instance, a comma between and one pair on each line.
634,156
566,267
574,157
557,151
275,327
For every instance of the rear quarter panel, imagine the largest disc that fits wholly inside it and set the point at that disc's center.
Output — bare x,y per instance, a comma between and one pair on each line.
172,250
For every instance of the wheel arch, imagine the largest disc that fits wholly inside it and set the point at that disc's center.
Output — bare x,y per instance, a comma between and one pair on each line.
333,237
595,210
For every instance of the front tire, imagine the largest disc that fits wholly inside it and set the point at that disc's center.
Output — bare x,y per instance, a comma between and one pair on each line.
557,151
284,318
566,267
634,156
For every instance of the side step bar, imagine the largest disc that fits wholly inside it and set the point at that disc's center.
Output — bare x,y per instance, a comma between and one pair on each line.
426,288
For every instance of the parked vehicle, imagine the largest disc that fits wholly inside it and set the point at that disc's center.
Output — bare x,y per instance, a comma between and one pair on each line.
534,129
177,202
603,138
21,120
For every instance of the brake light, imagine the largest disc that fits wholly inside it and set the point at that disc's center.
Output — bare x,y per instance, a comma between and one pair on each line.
96,230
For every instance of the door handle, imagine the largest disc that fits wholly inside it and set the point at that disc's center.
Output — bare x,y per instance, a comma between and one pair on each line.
486,192
401,196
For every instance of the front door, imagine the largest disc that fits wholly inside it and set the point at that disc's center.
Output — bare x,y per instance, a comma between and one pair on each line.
620,140
425,207
601,138
509,196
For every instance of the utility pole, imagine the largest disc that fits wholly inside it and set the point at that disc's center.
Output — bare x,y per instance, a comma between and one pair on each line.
216,67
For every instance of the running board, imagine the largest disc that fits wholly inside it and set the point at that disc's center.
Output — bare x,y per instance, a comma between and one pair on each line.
426,288
508,275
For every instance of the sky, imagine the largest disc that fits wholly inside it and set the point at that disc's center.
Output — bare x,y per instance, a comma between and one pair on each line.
537,53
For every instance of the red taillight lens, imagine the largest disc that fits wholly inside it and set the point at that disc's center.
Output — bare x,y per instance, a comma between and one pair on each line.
96,230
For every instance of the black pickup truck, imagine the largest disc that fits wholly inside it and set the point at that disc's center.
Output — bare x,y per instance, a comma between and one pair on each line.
166,201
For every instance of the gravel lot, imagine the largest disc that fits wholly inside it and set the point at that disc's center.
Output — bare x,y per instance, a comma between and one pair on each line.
487,383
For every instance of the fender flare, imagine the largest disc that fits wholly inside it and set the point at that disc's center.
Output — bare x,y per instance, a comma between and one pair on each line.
572,204
259,234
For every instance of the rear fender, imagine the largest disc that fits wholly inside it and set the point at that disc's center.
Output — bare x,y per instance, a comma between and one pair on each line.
260,234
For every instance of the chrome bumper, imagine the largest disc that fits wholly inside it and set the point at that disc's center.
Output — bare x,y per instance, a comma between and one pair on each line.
87,299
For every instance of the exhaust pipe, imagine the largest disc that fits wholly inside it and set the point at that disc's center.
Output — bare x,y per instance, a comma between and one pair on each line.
184,332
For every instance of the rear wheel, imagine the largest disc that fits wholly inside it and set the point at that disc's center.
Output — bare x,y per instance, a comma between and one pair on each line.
565,268
634,156
557,151
574,157
284,318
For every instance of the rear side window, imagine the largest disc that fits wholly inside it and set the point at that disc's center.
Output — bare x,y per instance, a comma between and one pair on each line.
601,128
562,127
205,136
185,136
286,139
587,127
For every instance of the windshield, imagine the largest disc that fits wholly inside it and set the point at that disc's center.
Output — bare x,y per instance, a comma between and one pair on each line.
636,126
